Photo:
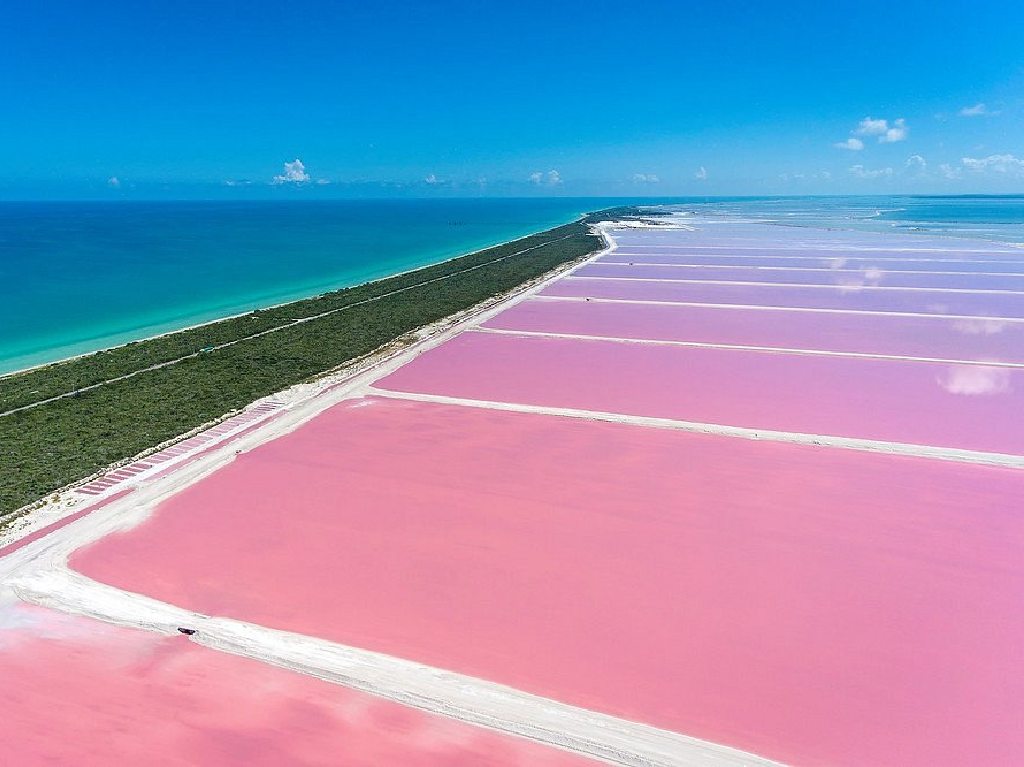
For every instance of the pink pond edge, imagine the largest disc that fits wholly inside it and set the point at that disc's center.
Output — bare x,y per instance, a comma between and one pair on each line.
815,606
77,691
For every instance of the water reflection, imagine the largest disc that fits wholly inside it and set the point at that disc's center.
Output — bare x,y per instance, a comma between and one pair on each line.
975,380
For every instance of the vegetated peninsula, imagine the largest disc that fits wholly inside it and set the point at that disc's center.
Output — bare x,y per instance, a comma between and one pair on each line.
65,421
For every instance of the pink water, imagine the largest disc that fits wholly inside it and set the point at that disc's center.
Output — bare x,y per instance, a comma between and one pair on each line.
935,337
761,237
719,247
939,262
864,299
943,405
79,692
816,606
844,277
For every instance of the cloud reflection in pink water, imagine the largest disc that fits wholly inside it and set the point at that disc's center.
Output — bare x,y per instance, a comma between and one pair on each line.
974,380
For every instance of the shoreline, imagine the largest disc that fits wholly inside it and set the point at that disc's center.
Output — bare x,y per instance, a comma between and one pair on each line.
422,411
303,401
70,422
275,305
36,571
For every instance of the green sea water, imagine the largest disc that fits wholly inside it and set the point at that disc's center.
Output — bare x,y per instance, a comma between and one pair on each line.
81,276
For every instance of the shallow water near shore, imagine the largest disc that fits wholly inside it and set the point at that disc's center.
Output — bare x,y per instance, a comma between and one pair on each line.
81,276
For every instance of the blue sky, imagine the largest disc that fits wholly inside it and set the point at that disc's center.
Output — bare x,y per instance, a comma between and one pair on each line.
204,99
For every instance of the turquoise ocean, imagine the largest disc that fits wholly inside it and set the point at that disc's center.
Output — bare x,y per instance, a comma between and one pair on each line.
80,276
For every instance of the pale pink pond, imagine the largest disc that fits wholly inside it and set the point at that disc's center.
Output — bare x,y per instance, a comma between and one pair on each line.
815,606
844,277
810,250
937,264
944,405
933,337
80,692
769,240
766,238
857,299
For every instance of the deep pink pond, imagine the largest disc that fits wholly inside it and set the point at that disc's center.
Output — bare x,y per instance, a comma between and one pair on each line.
815,606
80,692
844,277
935,337
864,299
963,406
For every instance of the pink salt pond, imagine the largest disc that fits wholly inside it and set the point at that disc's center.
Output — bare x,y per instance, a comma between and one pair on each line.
811,605
974,407
942,262
852,298
845,277
79,692
947,338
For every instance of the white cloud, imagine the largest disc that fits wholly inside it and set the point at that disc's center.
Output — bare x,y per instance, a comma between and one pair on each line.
701,174
822,175
916,164
322,182
849,284
432,180
948,171
645,178
896,132
294,173
1005,165
551,178
978,110
887,133
853,144
849,280
997,163
973,380
871,127
114,181
859,171
984,326
237,182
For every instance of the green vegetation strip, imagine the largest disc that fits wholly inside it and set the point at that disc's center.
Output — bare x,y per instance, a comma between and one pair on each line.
257,334
73,418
